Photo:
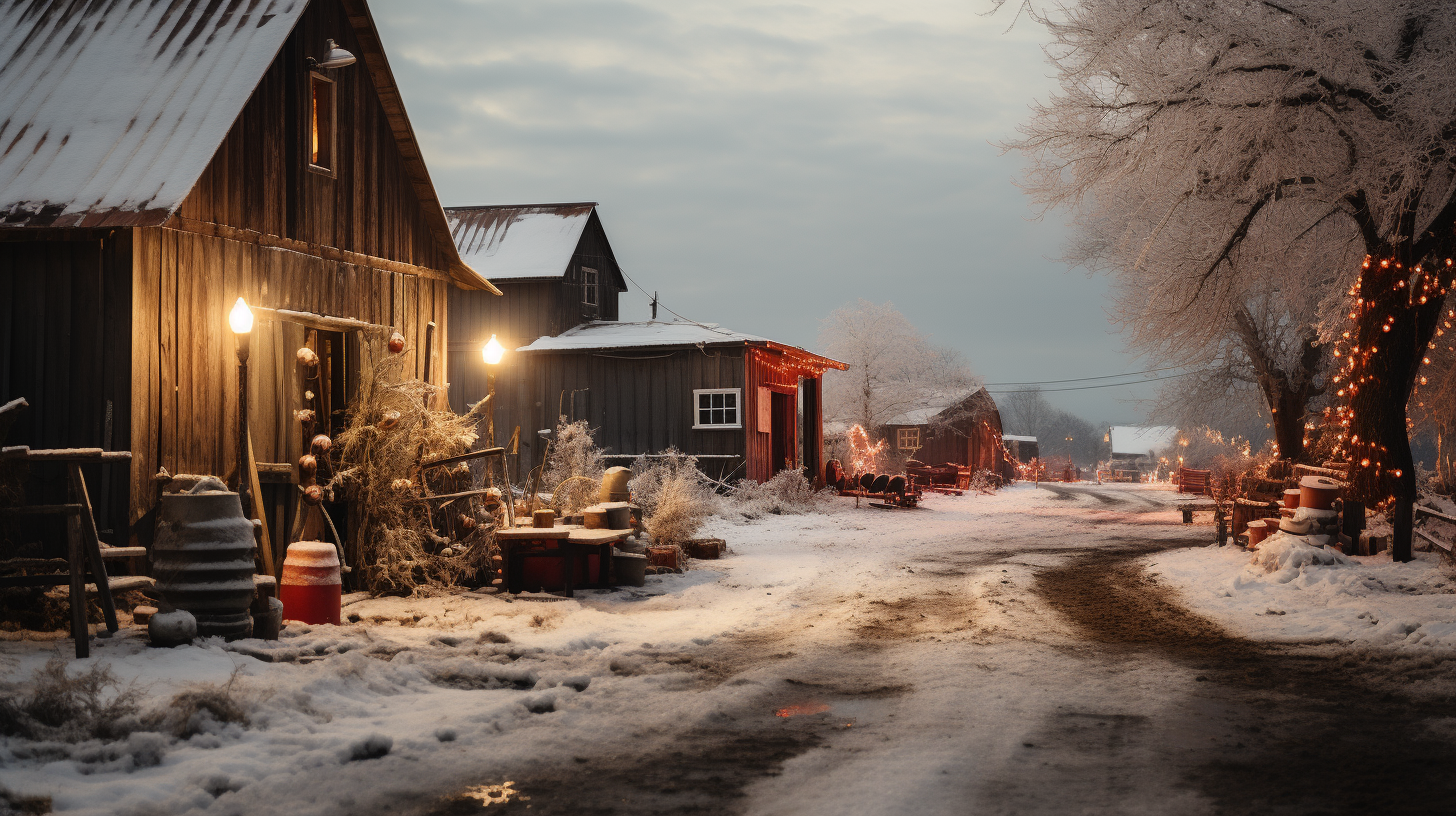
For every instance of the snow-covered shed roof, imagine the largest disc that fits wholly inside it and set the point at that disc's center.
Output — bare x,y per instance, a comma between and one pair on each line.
110,112
917,416
509,242
1015,438
603,335
1139,440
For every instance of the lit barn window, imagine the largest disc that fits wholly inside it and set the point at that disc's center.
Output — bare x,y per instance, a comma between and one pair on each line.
907,438
321,123
717,408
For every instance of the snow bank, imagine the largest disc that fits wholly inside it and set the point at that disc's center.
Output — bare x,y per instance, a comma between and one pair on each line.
1291,591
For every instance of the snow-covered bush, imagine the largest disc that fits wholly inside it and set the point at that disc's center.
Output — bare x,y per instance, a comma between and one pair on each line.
64,708
674,495
574,470
787,493
1287,554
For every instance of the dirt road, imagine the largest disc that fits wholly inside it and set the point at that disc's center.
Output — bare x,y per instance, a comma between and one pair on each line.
1014,672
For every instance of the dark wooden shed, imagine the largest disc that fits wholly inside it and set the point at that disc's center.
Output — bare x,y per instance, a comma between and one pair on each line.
966,432
168,159
747,406
556,268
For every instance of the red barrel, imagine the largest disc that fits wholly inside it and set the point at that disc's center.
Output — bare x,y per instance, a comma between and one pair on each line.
1258,531
312,588
1318,492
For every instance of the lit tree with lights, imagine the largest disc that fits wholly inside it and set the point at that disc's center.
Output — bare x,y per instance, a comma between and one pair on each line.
1259,114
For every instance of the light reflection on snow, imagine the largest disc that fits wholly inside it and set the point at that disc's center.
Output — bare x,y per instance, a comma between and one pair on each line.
489,795
806,708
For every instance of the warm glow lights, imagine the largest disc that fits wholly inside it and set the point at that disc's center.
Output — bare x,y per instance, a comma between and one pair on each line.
493,351
241,317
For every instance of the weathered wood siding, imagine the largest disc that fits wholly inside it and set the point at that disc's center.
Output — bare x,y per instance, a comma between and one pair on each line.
973,438
260,180
636,403
184,362
65,339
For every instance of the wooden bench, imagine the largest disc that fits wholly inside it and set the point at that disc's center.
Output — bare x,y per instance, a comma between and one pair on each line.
1189,508
1193,481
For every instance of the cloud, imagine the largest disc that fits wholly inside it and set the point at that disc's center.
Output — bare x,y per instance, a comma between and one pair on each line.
759,164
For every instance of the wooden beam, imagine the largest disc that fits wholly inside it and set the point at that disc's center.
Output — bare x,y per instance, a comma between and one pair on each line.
318,321
321,251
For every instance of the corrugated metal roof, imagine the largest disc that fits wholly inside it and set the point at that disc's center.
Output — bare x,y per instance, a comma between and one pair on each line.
610,334
604,335
110,111
519,241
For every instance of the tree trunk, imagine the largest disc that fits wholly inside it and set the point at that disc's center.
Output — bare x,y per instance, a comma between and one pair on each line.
1288,416
1393,329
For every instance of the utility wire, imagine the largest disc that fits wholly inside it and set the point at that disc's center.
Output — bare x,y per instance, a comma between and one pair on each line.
1085,387
670,311
1085,379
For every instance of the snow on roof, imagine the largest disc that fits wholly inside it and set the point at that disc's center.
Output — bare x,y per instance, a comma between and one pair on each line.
109,112
1140,440
1015,438
506,242
606,334
917,416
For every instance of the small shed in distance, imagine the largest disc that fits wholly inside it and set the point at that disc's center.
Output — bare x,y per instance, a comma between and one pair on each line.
1140,441
1022,448
747,406
965,432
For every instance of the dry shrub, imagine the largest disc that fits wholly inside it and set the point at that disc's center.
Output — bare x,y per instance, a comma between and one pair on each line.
396,548
91,705
674,496
787,493
11,802
574,470
200,709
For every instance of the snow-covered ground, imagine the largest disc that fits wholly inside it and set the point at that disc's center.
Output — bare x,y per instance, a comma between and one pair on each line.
849,661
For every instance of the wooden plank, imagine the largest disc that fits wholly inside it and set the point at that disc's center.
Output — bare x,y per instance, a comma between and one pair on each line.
265,543
145,368
1426,511
169,453
91,544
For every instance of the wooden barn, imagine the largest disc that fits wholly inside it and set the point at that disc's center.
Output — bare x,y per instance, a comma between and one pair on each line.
746,406
1022,448
965,431
160,163
556,268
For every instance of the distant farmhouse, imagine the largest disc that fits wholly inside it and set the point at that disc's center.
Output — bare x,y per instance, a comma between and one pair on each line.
964,431
747,406
1022,448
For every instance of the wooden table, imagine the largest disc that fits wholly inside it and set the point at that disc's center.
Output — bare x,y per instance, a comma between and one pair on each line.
568,542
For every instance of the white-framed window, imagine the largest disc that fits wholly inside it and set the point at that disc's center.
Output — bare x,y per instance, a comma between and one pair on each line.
588,286
907,438
717,408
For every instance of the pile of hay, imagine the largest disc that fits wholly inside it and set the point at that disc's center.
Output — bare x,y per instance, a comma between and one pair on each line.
390,431
674,496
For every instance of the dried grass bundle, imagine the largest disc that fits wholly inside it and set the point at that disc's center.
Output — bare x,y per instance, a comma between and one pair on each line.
390,430
574,470
674,496
787,493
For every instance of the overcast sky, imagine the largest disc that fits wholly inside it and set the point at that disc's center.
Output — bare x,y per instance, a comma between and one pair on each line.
760,165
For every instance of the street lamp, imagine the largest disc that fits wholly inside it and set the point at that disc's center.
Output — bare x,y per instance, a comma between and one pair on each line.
492,352
240,319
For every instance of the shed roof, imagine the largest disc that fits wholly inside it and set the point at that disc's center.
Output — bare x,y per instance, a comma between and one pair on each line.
1140,440
1016,438
978,397
603,335
110,112
514,241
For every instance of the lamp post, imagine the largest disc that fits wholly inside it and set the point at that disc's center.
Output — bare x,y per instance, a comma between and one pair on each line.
492,352
240,319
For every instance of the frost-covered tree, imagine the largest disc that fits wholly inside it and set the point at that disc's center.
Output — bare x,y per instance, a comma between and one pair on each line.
893,368
1261,112
1252,346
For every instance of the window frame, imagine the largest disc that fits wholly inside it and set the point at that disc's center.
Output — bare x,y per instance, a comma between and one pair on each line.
590,291
737,425
900,436
331,168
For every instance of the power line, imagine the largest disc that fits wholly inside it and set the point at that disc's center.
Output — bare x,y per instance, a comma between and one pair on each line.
1085,387
1085,379
669,309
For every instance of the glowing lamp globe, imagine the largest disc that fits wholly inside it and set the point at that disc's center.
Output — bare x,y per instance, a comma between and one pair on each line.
493,351
241,317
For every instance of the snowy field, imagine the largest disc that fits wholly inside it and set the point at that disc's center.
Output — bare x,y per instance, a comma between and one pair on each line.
849,661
